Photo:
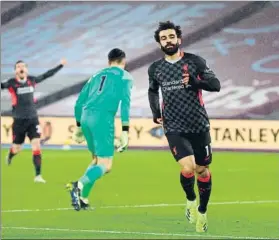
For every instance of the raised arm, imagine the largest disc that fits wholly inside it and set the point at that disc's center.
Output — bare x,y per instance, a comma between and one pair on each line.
153,94
50,72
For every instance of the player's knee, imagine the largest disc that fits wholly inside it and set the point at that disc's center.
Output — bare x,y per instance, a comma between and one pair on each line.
107,162
187,164
202,171
187,170
36,145
16,148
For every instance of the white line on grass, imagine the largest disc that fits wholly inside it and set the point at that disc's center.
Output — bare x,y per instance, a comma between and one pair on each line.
183,204
134,233
142,206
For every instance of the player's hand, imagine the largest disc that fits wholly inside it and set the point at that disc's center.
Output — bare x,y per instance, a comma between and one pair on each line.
194,82
63,61
124,140
158,120
186,78
78,135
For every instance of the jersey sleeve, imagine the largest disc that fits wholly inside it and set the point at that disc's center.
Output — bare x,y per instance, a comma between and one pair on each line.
5,84
126,98
81,100
153,93
207,79
47,74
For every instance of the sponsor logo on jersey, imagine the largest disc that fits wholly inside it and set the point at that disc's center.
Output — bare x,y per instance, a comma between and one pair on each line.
24,90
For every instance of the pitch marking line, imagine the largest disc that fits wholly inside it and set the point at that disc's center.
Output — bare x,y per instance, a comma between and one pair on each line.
143,206
134,233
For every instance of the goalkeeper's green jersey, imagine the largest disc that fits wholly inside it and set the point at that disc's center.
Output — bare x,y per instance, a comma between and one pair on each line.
104,91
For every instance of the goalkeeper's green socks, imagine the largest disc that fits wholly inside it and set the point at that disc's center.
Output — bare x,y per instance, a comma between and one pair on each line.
86,189
92,174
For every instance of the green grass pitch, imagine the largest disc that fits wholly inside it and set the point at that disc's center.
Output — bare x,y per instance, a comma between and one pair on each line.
141,198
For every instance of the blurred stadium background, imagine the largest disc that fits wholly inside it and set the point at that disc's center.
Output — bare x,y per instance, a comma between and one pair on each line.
239,40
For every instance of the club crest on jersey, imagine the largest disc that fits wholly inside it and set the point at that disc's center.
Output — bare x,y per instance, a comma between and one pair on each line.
24,90
185,68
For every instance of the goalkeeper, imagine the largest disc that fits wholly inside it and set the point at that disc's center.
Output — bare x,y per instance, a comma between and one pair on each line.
95,111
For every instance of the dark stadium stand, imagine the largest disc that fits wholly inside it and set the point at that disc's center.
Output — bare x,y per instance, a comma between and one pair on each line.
5,5
17,9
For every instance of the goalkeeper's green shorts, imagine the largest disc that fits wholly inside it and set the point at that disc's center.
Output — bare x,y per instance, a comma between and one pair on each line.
98,130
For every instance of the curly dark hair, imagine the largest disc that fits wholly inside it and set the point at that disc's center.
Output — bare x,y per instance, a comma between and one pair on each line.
167,25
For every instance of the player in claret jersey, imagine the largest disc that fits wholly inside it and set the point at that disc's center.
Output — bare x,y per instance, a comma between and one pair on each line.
182,77
25,118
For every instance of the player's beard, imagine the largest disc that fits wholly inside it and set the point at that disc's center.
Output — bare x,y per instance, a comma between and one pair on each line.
170,51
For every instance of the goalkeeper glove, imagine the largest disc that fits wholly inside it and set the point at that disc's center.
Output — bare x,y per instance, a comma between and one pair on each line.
78,135
124,140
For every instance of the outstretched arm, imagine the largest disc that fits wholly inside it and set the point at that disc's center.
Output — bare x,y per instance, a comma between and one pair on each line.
5,84
50,72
